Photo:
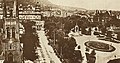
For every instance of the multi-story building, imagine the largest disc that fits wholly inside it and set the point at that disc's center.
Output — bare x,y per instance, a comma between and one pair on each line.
12,51
29,13
102,17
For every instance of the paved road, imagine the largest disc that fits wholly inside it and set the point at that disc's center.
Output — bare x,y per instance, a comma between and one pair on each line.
46,50
101,57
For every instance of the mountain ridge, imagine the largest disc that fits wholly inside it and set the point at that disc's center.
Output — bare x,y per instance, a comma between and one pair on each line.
48,3
60,6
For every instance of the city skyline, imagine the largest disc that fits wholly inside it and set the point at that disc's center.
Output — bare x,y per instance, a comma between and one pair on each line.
90,4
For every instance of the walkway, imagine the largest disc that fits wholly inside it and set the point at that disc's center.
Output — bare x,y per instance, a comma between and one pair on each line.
101,57
46,50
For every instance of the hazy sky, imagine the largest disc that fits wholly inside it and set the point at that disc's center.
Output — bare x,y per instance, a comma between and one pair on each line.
90,4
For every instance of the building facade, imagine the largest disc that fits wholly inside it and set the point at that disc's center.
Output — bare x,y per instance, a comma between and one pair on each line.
11,44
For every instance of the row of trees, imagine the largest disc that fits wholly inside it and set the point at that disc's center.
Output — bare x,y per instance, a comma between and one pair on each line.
57,29
67,23
30,41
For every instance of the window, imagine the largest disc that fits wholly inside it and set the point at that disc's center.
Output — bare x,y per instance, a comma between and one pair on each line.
8,32
10,46
13,32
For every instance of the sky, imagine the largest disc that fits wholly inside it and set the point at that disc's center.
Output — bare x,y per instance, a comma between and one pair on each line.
90,4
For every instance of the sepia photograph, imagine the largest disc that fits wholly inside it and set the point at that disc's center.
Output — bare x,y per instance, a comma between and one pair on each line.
59,31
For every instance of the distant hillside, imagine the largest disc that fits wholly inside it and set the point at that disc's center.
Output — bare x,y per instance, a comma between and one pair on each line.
72,8
47,3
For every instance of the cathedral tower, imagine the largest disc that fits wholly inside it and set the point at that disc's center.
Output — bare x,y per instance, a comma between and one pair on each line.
12,47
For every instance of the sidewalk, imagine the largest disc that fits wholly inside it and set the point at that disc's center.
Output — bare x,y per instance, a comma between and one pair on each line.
48,52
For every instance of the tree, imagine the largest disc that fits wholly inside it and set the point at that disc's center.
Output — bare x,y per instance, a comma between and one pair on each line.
29,40
118,36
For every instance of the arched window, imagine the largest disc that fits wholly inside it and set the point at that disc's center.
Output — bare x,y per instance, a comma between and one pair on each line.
13,32
8,32
10,46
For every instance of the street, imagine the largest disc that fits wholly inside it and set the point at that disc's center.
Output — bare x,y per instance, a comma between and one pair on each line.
46,50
